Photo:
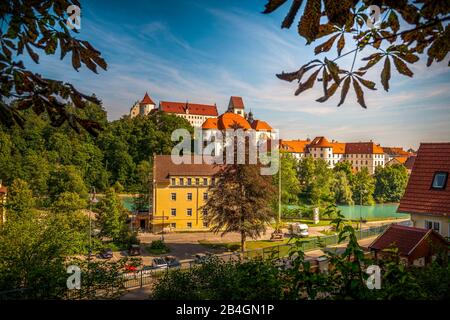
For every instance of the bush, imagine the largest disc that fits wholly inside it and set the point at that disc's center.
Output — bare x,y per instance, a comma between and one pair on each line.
157,247
219,280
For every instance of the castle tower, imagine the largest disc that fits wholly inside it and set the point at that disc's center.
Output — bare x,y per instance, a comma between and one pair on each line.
142,108
236,105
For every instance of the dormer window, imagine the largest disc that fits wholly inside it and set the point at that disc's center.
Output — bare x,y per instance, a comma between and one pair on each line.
439,180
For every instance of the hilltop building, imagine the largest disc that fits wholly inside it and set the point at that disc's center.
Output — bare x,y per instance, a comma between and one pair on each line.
360,154
195,113
236,118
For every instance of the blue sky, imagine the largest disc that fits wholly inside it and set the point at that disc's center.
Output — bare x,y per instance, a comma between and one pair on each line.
205,51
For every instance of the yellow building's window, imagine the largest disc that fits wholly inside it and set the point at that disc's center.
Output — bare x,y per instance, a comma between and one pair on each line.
173,225
197,181
173,212
173,196
189,212
174,182
189,196
189,181
205,196
181,181
189,225
205,181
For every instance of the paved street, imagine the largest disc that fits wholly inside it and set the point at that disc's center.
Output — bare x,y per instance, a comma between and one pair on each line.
184,245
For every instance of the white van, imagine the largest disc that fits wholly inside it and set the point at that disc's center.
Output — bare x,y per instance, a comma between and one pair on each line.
299,229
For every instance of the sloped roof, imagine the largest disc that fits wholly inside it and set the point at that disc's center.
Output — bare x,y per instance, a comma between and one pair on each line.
320,142
410,162
210,123
164,168
419,197
402,160
236,102
230,120
338,147
147,99
296,146
3,190
405,239
260,125
395,151
188,108
363,148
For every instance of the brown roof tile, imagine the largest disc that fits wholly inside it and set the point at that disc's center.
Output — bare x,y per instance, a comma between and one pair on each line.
237,102
362,148
419,197
164,168
191,108
401,237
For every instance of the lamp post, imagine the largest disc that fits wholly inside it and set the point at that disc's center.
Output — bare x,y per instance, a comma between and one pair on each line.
362,193
92,200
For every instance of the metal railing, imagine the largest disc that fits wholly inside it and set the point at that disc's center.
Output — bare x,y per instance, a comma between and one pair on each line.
147,277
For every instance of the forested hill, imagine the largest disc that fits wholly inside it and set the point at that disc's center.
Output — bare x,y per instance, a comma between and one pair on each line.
53,160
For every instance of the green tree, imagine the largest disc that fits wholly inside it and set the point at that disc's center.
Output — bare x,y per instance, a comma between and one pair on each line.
32,254
66,179
346,167
342,189
316,180
240,201
290,186
363,187
20,200
68,202
112,217
390,183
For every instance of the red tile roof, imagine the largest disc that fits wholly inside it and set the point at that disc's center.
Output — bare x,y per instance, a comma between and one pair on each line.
237,102
191,108
320,142
419,197
164,168
405,239
295,146
260,125
147,99
396,151
338,147
210,123
3,190
363,148
230,120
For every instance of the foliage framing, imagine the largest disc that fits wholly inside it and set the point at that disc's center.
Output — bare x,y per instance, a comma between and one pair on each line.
41,25
425,32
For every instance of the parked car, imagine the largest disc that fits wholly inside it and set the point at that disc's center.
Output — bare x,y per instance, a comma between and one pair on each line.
200,258
147,269
134,250
106,253
172,262
130,268
159,263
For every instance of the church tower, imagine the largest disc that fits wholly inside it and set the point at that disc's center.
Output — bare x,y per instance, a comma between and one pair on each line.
236,105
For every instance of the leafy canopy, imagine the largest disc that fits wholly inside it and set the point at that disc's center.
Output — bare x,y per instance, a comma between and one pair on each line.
406,30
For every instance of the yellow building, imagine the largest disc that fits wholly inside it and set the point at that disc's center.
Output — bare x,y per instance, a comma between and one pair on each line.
179,192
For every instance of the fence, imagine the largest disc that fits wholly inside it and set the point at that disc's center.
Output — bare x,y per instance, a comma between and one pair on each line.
147,277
